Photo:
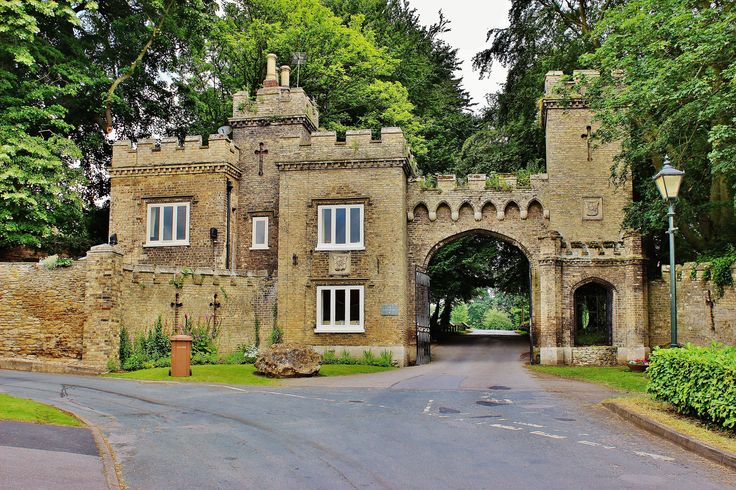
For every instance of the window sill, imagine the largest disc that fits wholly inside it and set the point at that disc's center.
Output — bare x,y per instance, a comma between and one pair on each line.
350,329
259,248
324,248
166,244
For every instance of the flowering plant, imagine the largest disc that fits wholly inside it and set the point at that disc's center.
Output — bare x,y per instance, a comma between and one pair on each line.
640,362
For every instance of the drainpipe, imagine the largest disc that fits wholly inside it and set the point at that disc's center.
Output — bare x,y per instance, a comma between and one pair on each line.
229,188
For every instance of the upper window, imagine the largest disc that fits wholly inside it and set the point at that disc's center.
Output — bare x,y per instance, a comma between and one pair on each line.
168,224
339,309
260,233
340,227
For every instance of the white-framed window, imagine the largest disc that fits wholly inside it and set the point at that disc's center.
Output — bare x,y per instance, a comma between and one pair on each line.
260,233
340,227
340,309
167,224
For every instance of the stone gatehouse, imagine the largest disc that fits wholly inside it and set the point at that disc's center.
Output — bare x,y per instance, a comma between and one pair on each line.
342,228
279,227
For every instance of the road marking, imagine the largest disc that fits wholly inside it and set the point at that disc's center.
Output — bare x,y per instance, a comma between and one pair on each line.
654,456
544,434
428,407
596,444
230,388
507,427
530,425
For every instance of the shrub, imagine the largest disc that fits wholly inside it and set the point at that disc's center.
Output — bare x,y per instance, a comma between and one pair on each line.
126,348
699,381
494,319
385,358
162,362
113,365
204,333
134,362
276,336
245,354
204,358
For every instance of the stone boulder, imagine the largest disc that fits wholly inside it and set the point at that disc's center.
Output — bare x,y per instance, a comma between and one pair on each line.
288,361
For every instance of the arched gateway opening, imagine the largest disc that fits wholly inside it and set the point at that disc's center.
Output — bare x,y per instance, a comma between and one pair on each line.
480,288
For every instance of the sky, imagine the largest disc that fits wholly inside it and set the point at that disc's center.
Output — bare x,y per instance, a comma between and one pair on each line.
470,21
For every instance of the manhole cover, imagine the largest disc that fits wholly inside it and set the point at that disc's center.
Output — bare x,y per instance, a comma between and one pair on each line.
448,410
498,387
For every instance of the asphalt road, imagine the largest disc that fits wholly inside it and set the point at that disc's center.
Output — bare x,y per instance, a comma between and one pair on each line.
474,419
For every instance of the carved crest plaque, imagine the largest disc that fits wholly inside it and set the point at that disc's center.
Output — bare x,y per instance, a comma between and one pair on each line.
592,208
339,263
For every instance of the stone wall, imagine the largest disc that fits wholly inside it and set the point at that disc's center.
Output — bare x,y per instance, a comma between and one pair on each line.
42,312
702,316
149,292
594,356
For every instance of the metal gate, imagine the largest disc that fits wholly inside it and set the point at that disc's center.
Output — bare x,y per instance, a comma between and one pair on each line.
422,310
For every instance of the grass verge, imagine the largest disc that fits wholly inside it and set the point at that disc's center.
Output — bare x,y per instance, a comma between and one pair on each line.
243,374
25,410
692,427
618,378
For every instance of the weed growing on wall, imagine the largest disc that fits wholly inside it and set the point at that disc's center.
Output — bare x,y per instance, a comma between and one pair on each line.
276,335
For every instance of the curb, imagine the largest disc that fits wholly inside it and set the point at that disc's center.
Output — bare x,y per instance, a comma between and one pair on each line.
109,465
686,442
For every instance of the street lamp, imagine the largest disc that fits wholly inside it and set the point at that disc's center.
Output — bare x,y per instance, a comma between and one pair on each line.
668,182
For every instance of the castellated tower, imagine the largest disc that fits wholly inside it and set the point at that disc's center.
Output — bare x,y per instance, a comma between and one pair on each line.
264,127
584,204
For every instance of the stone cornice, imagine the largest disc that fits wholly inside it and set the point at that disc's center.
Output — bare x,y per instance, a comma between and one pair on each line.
342,164
256,122
177,169
562,103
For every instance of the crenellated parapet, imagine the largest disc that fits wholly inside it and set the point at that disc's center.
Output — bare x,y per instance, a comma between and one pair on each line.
172,156
322,150
498,196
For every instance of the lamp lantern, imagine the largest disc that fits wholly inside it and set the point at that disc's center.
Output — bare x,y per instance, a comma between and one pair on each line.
668,181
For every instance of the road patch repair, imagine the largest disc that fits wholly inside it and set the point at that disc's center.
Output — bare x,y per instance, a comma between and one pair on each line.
52,456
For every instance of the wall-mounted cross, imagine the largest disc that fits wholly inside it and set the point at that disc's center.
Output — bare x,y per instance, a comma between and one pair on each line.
214,305
588,136
176,304
260,152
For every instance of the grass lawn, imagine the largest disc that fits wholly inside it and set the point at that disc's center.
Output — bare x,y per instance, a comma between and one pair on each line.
618,378
666,415
25,410
243,374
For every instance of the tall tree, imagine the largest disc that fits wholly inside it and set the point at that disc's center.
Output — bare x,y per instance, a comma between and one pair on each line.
351,78
667,88
38,176
542,35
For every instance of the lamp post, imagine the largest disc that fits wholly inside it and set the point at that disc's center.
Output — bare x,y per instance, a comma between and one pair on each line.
668,182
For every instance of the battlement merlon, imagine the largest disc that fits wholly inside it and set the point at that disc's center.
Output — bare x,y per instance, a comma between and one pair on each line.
273,105
358,149
150,155
559,90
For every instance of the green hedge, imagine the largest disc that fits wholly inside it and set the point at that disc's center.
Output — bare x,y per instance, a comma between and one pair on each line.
698,381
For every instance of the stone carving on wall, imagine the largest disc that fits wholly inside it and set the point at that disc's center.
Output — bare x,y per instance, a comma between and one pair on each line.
339,263
592,208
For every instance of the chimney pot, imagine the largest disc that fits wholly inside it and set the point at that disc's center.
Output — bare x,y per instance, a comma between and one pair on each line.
285,72
270,71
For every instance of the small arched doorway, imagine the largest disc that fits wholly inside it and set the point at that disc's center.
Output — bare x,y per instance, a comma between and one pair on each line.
593,314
